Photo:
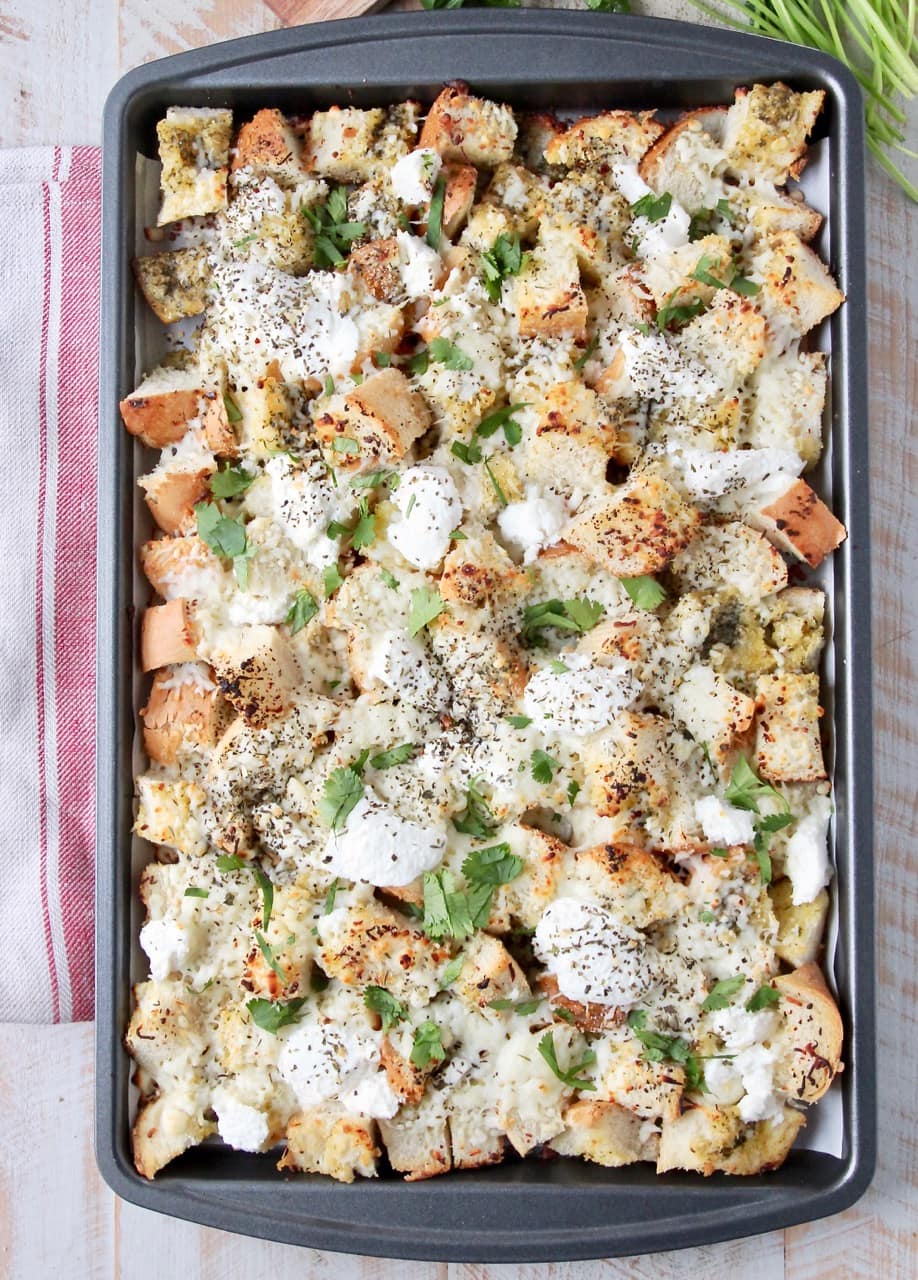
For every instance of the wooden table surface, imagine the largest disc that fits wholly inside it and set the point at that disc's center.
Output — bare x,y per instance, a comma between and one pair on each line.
57,1218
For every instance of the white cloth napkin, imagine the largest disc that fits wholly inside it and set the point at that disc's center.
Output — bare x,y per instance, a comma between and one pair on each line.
49,284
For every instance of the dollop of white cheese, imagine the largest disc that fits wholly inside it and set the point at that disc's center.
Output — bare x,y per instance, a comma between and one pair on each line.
419,265
806,856
430,508
595,958
167,946
399,662
534,523
305,503
655,370
581,699
722,824
412,177
242,1126
380,847
322,1060
708,476
662,236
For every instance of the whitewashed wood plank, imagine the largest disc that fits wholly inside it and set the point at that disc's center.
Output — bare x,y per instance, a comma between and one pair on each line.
55,1211
57,63
148,31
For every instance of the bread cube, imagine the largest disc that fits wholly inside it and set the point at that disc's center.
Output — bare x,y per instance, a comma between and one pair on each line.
168,634
548,296
795,627
797,290
376,264
489,973
179,715
787,395
638,531
469,130
534,132
168,813
765,131
267,145
332,1141
159,411
812,1034
729,338
604,1133
638,886
787,742
417,1140
219,432
374,946
382,417
477,570
166,1126
650,1090
800,928
733,560
614,137
272,415
350,145
799,523
171,497
686,159
710,1140
194,150
712,710
518,192
258,673
172,564
174,283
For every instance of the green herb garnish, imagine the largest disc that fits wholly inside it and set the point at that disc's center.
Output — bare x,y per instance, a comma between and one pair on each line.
302,611
435,214
476,819
543,766
229,481
571,1077
394,756
193,892
719,995
341,792
579,614
271,1015
334,235
425,607
653,208
504,258
644,592
381,1001
494,865
765,998
427,1046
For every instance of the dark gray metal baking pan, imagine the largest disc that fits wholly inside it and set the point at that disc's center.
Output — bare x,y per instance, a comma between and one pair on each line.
524,1211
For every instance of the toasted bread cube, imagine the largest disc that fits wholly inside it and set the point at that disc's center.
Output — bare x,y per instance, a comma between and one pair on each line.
332,1141
171,497
800,928
382,417
489,973
168,814
194,150
765,131
768,212
549,299
729,338
685,159
458,197
611,138
604,1133
588,1016
788,395
520,193
258,673
376,264
340,141
408,1081
670,277
167,635
646,1089
714,1139
796,627
787,741
797,290
798,522
374,946
268,145
159,411
271,412
477,570
638,886
165,1127
712,710
812,1035
179,714
174,283
469,130
475,1137
638,531
417,1140
172,564
219,432
535,132
731,558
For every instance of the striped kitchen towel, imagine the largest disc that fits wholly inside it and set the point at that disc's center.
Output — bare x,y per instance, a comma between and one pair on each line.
49,286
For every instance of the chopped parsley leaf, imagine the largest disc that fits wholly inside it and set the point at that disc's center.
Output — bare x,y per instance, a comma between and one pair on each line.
450,912
578,614
558,667
513,432
449,355
233,412
673,316
435,213
543,766
333,234
331,580
581,360
428,1045
653,208
765,998
519,722
425,607
452,971
745,788
573,791
229,481
396,755
302,611
381,1001
571,1077
329,904
341,792
344,444
494,865
389,579
504,258
522,1007
231,862
719,995
501,496
467,453
194,892
267,896
476,819
271,1015
644,591
267,951
661,1048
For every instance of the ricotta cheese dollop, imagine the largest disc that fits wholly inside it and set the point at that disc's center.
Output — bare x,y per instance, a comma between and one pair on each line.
322,1060
412,177
305,503
752,1065
381,847
722,824
242,1126
534,523
430,508
581,699
419,265
806,857
595,958
166,945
